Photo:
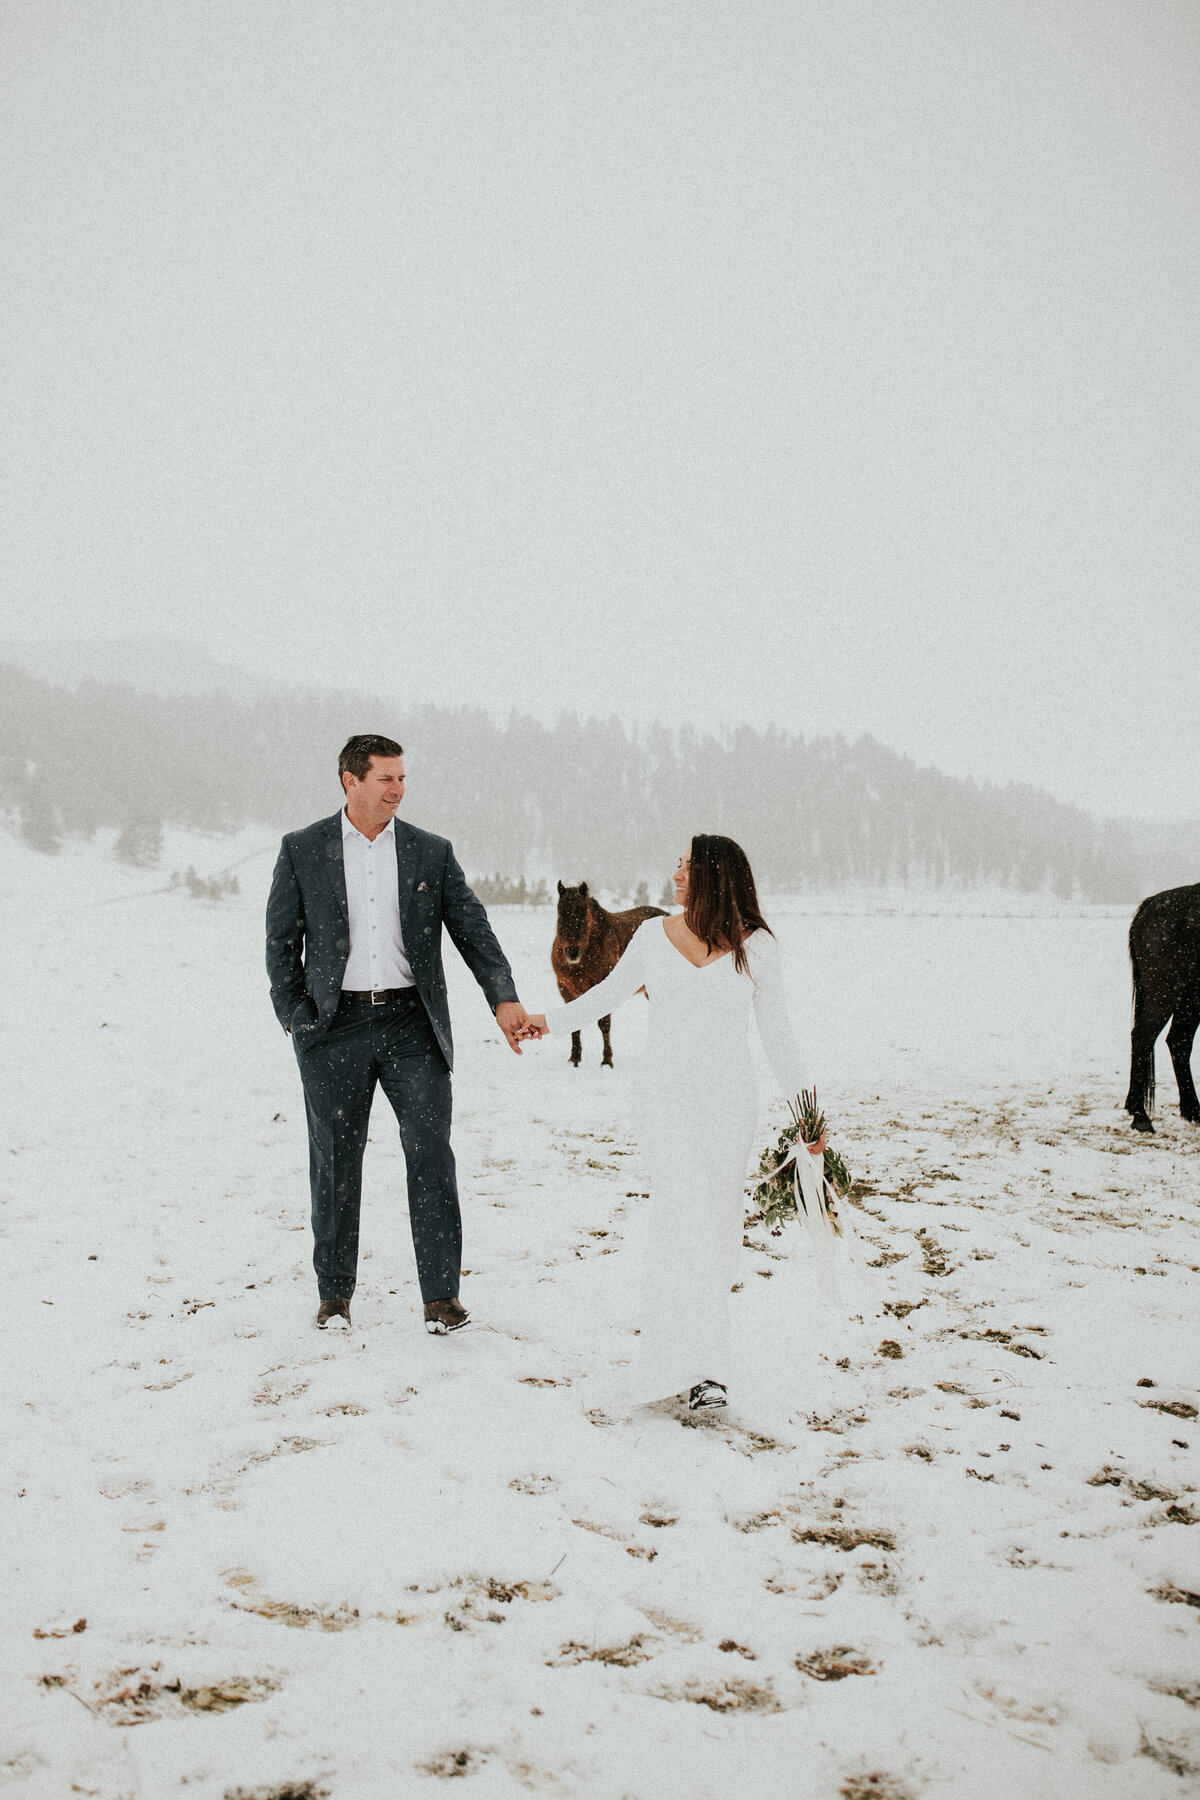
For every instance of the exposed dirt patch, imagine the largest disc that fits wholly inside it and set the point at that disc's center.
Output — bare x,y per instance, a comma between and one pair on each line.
1187,1691
136,1695
750,1522
1174,1755
1176,1409
481,1595
842,1420
1109,1476
1174,1595
533,1484
819,1588
878,1578
639,1649
272,1393
875,1786
291,1790
507,1591
611,1532
836,1663
449,1763
680,1628
844,1537
62,1631
936,1261
301,1618
730,1696
747,1443
224,1696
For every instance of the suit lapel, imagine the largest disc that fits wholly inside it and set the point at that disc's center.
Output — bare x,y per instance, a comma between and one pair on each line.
335,863
407,858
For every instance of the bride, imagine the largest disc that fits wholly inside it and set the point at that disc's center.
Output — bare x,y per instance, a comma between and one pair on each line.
705,971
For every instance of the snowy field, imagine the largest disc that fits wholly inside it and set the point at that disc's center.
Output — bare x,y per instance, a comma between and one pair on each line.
357,1567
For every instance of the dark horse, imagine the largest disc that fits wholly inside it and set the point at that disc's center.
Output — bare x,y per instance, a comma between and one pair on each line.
1164,948
588,945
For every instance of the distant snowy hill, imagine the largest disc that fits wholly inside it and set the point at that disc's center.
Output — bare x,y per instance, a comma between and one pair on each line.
194,745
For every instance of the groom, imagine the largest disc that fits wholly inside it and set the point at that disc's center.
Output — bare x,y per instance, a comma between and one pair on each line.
354,952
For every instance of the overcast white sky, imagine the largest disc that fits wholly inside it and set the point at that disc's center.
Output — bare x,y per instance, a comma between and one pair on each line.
830,362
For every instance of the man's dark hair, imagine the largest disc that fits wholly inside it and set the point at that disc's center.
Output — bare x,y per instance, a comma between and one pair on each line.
357,753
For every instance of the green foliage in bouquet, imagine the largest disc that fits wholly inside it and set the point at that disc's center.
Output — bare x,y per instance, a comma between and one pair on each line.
776,1193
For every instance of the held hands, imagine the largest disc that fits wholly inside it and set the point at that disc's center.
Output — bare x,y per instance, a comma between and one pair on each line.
518,1025
817,1149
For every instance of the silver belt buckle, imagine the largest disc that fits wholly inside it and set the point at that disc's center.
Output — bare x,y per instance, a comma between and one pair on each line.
378,998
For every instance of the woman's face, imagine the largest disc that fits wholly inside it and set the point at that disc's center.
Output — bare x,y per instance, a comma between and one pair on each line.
681,878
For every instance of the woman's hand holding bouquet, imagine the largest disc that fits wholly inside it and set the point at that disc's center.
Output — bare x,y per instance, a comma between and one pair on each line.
780,1193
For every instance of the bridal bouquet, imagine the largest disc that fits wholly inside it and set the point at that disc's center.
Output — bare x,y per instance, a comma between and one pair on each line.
798,1185
781,1194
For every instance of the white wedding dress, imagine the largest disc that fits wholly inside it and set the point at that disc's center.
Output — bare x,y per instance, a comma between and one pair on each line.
695,1115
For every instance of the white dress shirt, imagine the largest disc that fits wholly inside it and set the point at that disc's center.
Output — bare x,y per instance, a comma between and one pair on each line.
377,958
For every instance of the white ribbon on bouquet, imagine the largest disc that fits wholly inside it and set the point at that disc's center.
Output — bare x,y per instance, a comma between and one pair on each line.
834,1246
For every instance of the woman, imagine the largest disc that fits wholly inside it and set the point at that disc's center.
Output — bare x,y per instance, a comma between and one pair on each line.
705,971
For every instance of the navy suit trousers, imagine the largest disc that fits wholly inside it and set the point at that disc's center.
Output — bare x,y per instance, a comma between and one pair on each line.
392,1045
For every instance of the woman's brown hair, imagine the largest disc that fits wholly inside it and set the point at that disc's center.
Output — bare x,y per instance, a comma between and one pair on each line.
722,906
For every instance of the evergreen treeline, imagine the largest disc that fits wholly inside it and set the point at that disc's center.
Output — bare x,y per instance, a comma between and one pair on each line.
577,799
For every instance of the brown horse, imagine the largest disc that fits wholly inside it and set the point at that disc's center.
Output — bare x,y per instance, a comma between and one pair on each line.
588,945
1164,950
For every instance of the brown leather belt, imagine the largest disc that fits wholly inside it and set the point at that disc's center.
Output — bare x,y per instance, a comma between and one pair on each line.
379,997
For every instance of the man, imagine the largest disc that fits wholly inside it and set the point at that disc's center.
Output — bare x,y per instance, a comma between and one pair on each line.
354,952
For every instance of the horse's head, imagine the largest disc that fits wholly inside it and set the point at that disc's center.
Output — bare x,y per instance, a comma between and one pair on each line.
574,921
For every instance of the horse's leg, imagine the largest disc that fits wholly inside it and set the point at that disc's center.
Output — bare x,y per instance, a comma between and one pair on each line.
576,1049
1147,1023
606,1061
1179,1043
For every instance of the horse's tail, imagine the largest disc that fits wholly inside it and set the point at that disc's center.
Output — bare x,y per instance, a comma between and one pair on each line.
1146,1097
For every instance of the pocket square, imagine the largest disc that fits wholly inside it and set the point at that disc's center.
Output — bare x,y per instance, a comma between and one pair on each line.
422,887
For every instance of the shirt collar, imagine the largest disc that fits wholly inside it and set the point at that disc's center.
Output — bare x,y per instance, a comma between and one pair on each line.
352,831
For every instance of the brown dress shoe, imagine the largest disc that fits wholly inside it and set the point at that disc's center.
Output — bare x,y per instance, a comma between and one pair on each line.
332,1312
442,1316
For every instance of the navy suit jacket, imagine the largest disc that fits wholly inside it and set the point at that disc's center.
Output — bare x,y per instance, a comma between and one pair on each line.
308,929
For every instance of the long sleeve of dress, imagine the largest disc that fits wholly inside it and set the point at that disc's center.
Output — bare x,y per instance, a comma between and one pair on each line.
771,1014
625,980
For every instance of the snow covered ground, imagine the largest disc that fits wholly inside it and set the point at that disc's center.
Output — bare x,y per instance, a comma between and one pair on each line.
359,1566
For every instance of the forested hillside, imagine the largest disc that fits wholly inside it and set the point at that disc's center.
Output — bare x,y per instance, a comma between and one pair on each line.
579,798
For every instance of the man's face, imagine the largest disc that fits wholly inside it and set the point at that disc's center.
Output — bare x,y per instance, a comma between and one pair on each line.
373,800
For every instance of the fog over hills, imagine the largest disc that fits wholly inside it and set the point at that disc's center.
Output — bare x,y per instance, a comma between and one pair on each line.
593,798
155,664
